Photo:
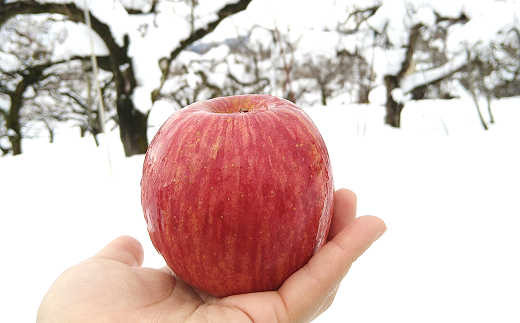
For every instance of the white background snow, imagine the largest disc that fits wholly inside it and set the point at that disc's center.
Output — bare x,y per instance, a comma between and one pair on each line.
451,253
450,203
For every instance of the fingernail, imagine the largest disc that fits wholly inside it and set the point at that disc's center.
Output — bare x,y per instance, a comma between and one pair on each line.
381,233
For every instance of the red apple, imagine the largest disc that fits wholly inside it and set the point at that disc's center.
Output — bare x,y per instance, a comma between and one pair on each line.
237,193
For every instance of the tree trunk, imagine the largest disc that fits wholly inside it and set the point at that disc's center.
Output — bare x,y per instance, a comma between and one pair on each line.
392,82
15,137
50,130
133,124
474,96
132,127
323,95
393,108
13,117
491,117
363,93
419,93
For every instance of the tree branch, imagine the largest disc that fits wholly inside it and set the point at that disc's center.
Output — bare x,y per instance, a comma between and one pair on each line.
360,15
254,82
225,12
421,78
410,50
69,10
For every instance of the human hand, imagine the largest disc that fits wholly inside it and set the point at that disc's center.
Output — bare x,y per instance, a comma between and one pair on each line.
112,286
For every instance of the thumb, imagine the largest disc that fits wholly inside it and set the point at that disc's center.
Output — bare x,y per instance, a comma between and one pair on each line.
310,290
124,249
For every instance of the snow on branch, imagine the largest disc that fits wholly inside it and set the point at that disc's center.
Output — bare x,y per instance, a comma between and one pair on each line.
421,78
229,8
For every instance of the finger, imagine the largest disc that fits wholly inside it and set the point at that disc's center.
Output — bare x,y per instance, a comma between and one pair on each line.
345,204
326,305
124,249
307,290
167,269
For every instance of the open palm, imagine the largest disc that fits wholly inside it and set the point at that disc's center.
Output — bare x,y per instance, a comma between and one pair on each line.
113,287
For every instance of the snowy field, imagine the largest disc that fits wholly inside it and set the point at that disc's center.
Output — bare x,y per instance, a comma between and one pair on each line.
451,203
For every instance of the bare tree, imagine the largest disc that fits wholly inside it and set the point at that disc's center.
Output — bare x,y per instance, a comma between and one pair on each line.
243,66
33,58
329,76
132,122
493,72
36,88
385,40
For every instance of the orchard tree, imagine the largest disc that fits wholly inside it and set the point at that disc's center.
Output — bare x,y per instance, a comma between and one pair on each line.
417,43
235,66
26,55
320,69
493,72
38,91
159,31
69,95
252,63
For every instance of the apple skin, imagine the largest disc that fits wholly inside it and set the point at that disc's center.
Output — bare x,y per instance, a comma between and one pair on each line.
237,193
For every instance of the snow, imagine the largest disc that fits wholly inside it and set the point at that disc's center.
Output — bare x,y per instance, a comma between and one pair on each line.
77,42
111,13
217,53
488,25
279,14
152,37
489,22
9,61
318,43
420,78
425,16
447,190
391,18
142,5
155,36
448,8
450,203
398,95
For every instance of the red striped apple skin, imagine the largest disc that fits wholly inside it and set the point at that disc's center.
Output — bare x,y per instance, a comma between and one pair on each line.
237,193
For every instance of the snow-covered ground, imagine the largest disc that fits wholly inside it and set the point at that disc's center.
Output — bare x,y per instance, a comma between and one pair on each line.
451,253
